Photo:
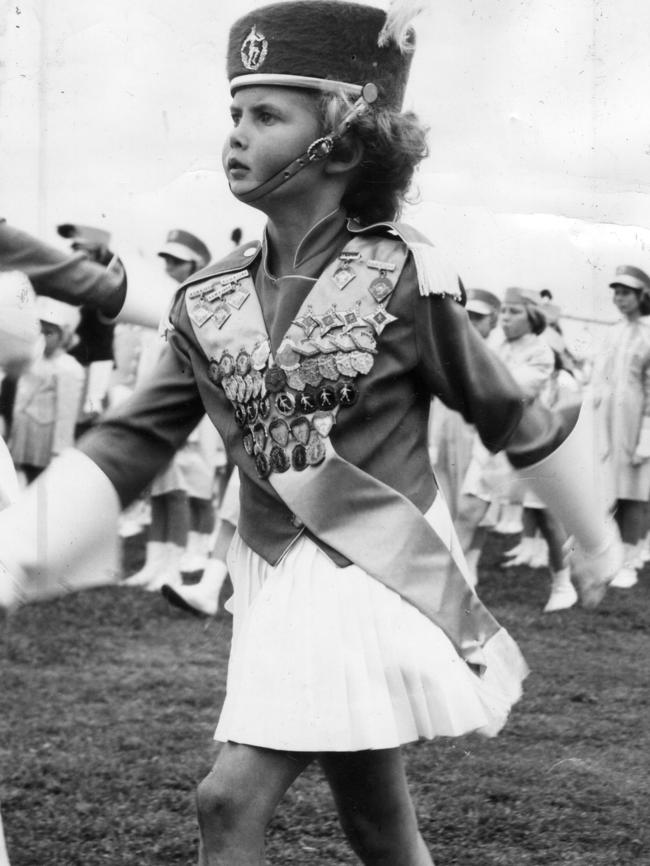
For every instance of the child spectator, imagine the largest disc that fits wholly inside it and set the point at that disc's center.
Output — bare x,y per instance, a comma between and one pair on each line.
48,394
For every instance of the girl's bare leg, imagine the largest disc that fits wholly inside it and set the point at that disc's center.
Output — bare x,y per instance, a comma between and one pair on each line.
375,807
237,799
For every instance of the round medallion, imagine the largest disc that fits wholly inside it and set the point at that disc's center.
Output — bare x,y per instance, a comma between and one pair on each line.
262,465
251,411
214,372
264,408
285,403
275,379
227,364
240,415
278,459
248,442
299,457
326,397
243,363
307,401
347,393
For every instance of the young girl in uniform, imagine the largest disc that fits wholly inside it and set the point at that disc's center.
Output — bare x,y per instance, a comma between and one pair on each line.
48,394
316,354
622,383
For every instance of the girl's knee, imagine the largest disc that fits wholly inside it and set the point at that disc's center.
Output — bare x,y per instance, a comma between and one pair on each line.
375,843
218,806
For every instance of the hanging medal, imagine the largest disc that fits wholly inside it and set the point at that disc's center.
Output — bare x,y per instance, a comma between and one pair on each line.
221,314
200,314
381,287
343,276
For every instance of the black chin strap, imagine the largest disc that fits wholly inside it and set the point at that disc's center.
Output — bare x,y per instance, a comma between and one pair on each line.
317,150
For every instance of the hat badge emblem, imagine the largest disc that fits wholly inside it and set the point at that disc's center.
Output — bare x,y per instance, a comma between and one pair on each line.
254,50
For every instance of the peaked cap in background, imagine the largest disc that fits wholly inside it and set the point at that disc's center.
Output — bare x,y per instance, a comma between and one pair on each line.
186,247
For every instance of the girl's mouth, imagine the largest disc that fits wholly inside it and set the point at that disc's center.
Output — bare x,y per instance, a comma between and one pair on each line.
235,165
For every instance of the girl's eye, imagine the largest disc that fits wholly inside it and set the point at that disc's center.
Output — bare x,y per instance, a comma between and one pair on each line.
235,119
266,118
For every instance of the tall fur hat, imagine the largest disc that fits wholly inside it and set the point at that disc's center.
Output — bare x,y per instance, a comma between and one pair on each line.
327,45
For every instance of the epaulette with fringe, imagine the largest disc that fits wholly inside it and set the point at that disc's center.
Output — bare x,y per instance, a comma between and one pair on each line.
435,274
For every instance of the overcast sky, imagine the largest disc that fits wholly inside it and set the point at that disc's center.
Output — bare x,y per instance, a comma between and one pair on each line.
113,113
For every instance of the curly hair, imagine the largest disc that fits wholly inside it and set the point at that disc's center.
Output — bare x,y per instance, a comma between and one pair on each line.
394,143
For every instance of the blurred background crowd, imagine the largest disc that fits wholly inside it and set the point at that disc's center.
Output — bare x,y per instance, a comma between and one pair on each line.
536,187
88,362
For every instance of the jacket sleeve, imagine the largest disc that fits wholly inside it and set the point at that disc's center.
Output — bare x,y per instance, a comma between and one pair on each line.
458,366
134,441
74,279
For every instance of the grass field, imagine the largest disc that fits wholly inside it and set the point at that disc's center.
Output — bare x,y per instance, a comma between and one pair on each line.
109,700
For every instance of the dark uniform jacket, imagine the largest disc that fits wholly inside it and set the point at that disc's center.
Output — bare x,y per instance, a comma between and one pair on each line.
430,349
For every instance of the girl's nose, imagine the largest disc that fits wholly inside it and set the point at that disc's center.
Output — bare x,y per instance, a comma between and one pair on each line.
238,137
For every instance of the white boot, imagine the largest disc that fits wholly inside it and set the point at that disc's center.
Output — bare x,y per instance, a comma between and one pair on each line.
539,554
169,570
626,577
156,552
563,593
639,560
201,597
195,555
645,550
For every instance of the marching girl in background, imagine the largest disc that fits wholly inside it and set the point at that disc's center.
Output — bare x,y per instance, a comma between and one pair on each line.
48,394
563,389
531,361
451,439
203,597
621,382
182,512
316,354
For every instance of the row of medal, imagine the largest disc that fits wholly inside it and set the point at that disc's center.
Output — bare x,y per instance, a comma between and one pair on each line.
287,406
287,409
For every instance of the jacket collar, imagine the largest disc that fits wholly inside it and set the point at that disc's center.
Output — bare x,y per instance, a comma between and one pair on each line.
311,247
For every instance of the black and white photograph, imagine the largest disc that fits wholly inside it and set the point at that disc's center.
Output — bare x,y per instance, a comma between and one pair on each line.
324,433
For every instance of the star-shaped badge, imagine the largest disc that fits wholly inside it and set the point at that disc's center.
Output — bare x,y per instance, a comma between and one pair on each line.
307,322
328,321
351,319
379,319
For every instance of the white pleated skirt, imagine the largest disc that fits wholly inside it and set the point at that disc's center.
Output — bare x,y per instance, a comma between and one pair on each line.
329,659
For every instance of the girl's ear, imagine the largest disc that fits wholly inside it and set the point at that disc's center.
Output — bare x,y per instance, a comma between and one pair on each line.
346,156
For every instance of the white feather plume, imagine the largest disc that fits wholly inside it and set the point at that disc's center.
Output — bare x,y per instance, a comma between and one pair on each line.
399,18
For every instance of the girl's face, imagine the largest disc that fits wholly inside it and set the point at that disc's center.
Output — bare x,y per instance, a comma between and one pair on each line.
177,269
271,127
53,336
626,300
514,321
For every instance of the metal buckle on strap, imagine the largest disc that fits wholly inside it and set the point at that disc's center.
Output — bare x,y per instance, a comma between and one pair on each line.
320,148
